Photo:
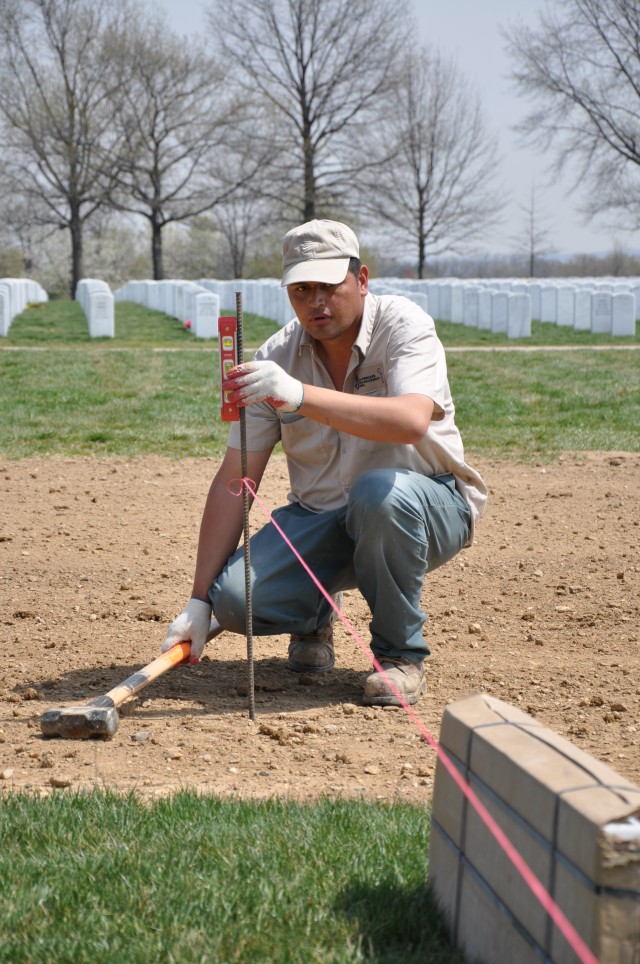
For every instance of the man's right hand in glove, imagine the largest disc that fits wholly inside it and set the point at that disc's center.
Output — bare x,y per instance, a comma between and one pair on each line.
192,625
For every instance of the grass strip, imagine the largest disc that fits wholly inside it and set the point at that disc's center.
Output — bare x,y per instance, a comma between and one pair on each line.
542,333
527,405
539,404
63,324
103,877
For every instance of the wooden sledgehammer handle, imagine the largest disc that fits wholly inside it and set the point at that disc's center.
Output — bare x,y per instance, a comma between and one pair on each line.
163,663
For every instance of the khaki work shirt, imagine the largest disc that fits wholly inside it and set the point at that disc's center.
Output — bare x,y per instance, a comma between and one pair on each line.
397,352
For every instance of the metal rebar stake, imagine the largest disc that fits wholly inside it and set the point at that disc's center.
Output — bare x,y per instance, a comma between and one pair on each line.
245,518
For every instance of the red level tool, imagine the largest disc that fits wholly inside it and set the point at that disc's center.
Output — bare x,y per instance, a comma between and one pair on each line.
228,348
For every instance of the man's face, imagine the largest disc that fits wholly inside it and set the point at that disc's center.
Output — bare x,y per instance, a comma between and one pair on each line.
328,312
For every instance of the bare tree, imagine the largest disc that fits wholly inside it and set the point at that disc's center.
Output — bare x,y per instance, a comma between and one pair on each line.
56,77
239,222
533,239
437,194
176,112
327,69
580,67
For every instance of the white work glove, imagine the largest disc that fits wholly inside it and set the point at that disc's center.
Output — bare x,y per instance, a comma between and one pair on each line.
264,381
192,625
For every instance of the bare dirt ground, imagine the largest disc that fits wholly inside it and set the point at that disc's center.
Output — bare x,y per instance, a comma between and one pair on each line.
96,558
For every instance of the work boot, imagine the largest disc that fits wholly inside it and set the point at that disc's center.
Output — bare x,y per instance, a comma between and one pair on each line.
314,654
407,677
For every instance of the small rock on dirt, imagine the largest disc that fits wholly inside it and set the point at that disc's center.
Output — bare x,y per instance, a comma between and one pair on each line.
60,780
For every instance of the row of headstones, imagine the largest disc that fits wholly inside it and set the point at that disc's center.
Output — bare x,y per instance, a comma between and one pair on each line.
193,303
498,305
182,300
15,295
609,306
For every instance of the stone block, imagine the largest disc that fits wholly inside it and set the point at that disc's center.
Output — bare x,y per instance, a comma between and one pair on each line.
574,820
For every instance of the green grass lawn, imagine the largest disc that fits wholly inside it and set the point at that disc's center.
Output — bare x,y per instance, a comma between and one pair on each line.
102,877
154,389
542,333
63,324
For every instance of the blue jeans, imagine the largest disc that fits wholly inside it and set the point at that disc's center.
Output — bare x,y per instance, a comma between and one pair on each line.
396,525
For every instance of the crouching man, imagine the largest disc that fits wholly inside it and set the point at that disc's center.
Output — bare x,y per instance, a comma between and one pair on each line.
355,388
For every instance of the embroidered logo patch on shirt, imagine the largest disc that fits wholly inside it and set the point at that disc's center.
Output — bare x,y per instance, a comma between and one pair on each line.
369,380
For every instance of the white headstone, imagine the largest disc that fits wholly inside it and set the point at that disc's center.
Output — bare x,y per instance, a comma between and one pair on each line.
484,308
534,293
601,312
623,315
548,303
5,319
205,317
500,312
519,316
635,288
444,313
582,319
433,294
100,315
566,306
470,305
457,304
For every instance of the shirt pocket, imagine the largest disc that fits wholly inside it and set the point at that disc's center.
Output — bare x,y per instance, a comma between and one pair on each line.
304,440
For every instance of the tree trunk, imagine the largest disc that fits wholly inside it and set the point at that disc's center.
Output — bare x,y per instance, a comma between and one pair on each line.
77,254
309,210
422,244
156,247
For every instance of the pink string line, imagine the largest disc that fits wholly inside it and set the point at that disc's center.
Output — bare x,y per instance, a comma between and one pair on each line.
568,931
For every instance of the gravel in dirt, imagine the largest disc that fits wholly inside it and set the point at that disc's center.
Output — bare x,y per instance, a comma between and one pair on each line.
96,557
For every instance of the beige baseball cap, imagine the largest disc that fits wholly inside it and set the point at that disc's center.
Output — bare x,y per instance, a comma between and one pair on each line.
318,250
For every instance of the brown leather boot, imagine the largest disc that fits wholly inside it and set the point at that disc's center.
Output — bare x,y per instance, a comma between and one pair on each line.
407,677
314,654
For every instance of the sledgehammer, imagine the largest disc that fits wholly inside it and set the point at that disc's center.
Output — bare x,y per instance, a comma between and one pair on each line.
99,718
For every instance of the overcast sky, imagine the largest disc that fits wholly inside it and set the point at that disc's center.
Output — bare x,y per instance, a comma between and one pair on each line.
469,31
